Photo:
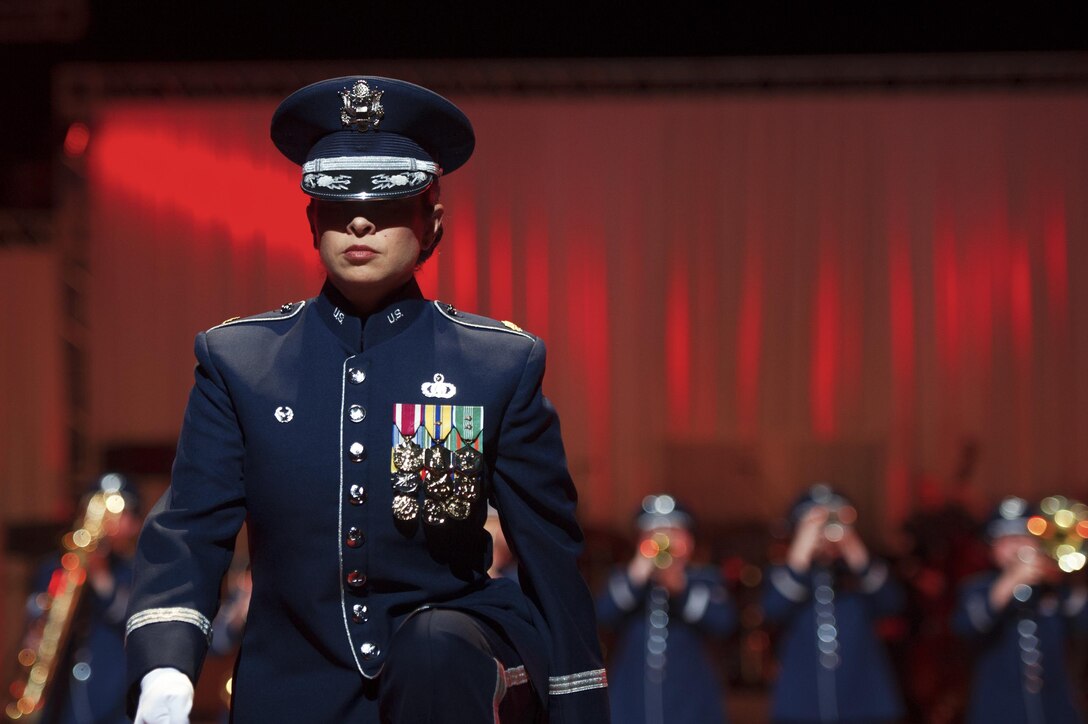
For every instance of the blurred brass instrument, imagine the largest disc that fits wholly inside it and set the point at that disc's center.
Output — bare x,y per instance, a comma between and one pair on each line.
48,638
656,548
664,551
839,517
1062,529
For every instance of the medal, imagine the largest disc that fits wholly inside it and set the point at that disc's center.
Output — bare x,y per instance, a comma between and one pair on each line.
406,482
405,507
458,509
408,456
439,486
437,459
433,512
466,489
468,460
422,456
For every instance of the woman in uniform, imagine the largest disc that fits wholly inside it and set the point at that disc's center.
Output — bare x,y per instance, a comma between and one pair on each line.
361,434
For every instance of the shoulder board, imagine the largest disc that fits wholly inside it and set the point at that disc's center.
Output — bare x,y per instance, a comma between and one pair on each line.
476,321
285,312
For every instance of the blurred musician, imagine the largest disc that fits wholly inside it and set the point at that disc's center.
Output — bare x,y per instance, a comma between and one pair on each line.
1020,616
826,599
88,682
662,608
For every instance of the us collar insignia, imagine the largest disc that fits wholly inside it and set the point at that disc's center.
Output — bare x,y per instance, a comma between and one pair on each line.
438,388
362,108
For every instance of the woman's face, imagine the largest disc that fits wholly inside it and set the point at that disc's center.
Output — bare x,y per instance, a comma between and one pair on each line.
372,246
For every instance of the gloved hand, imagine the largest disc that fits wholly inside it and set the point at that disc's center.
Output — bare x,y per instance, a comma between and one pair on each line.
166,697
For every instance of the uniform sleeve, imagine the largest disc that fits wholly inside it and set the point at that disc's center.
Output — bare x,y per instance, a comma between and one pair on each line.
784,592
706,605
881,589
1075,607
974,616
188,538
619,598
536,500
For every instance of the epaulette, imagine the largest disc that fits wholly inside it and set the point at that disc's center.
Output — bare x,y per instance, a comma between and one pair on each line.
476,321
284,312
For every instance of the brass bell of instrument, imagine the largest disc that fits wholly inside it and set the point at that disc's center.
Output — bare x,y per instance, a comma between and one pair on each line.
1062,529
656,548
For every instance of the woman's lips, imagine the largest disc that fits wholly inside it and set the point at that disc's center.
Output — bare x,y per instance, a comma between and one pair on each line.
360,253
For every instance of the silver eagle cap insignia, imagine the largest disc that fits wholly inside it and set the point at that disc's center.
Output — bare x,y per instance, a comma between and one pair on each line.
361,107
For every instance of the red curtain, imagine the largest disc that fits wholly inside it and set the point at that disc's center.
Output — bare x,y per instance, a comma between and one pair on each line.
740,293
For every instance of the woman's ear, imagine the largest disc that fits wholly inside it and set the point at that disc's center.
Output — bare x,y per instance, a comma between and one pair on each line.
433,232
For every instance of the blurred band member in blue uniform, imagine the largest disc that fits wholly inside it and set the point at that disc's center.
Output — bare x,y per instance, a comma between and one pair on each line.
1021,618
361,435
89,684
663,608
826,600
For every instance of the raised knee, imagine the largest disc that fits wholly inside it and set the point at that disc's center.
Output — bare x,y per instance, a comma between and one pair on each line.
436,642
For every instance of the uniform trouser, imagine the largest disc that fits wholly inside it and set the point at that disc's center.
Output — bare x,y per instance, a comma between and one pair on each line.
447,666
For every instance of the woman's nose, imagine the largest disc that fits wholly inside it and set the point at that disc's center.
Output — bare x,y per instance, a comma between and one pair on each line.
361,226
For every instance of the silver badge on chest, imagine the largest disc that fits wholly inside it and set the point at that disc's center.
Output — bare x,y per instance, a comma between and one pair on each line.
284,414
439,388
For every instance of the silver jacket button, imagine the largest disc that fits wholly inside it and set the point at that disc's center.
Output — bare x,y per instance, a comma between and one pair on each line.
356,376
354,538
356,413
357,452
357,494
356,579
359,613
370,651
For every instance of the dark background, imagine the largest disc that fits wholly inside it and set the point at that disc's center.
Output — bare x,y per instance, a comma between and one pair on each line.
37,35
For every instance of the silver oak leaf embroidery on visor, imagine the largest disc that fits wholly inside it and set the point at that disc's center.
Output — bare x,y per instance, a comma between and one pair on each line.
385,181
325,181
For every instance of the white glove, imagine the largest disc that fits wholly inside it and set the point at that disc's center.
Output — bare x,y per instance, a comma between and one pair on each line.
166,697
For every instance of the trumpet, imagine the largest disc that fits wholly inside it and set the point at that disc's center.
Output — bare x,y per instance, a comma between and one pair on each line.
839,518
1062,529
38,663
656,547
840,513
663,550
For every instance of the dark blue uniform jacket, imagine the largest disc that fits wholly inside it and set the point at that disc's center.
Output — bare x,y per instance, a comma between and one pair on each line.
291,427
832,665
660,671
1020,673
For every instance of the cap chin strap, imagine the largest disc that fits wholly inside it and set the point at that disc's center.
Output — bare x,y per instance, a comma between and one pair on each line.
371,163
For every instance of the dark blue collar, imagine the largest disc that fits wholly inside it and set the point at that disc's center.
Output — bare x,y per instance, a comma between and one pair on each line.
358,333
